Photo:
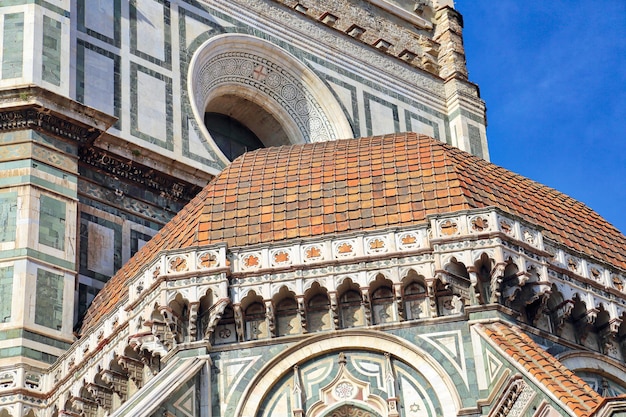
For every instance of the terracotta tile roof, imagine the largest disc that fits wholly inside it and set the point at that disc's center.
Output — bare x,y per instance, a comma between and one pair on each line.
569,389
309,190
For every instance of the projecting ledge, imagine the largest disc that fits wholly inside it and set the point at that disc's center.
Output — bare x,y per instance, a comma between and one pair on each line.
30,106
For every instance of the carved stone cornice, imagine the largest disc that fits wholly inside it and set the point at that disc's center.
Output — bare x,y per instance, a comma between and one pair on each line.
32,107
126,169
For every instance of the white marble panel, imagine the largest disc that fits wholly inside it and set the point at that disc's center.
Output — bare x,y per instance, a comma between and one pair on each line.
100,17
100,250
382,118
150,28
344,95
99,81
151,106
421,127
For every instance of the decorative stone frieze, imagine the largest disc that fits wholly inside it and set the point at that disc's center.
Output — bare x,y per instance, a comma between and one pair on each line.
136,173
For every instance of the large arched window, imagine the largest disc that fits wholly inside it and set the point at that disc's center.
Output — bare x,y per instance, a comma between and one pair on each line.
232,137
266,89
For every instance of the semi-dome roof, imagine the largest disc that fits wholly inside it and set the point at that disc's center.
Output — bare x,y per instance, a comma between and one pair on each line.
309,190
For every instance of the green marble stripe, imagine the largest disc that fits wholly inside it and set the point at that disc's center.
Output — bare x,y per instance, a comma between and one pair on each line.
13,352
35,337
34,180
27,163
34,254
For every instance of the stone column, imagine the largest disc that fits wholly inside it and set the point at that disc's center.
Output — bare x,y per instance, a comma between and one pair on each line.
40,134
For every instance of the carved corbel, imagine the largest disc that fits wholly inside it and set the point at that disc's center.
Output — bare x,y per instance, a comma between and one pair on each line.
162,332
366,305
215,314
397,290
193,320
542,294
302,313
457,285
84,406
270,317
174,324
431,292
334,308
239,324
475,295
102,394
496,282
151,360
585,324
134,368
117,381
561,314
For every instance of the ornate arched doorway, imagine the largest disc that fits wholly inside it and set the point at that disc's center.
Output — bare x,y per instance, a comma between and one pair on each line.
360,373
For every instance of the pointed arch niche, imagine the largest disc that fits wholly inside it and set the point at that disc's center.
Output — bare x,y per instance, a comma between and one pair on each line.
263,89
366,372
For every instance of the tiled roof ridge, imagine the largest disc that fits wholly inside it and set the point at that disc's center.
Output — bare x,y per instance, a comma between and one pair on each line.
544,206
367,183
568,388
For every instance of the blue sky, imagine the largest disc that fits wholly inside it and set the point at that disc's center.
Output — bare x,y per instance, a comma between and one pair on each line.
553,76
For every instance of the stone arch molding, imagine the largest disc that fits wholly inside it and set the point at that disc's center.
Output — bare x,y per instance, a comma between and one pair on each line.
262,73
273,371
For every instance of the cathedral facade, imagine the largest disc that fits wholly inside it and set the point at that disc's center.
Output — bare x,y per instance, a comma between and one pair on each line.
208,209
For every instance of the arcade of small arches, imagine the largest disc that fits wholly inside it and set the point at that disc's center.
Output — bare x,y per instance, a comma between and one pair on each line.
217,314
384,300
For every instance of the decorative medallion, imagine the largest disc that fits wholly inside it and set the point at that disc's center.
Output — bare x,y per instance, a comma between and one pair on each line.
408,241
312,253
344,249
595,274
618,283
552,251
177,264
448,228
506,227
281,256
572,265
529,237
251,261
377,245
479,224
344,390
207,260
